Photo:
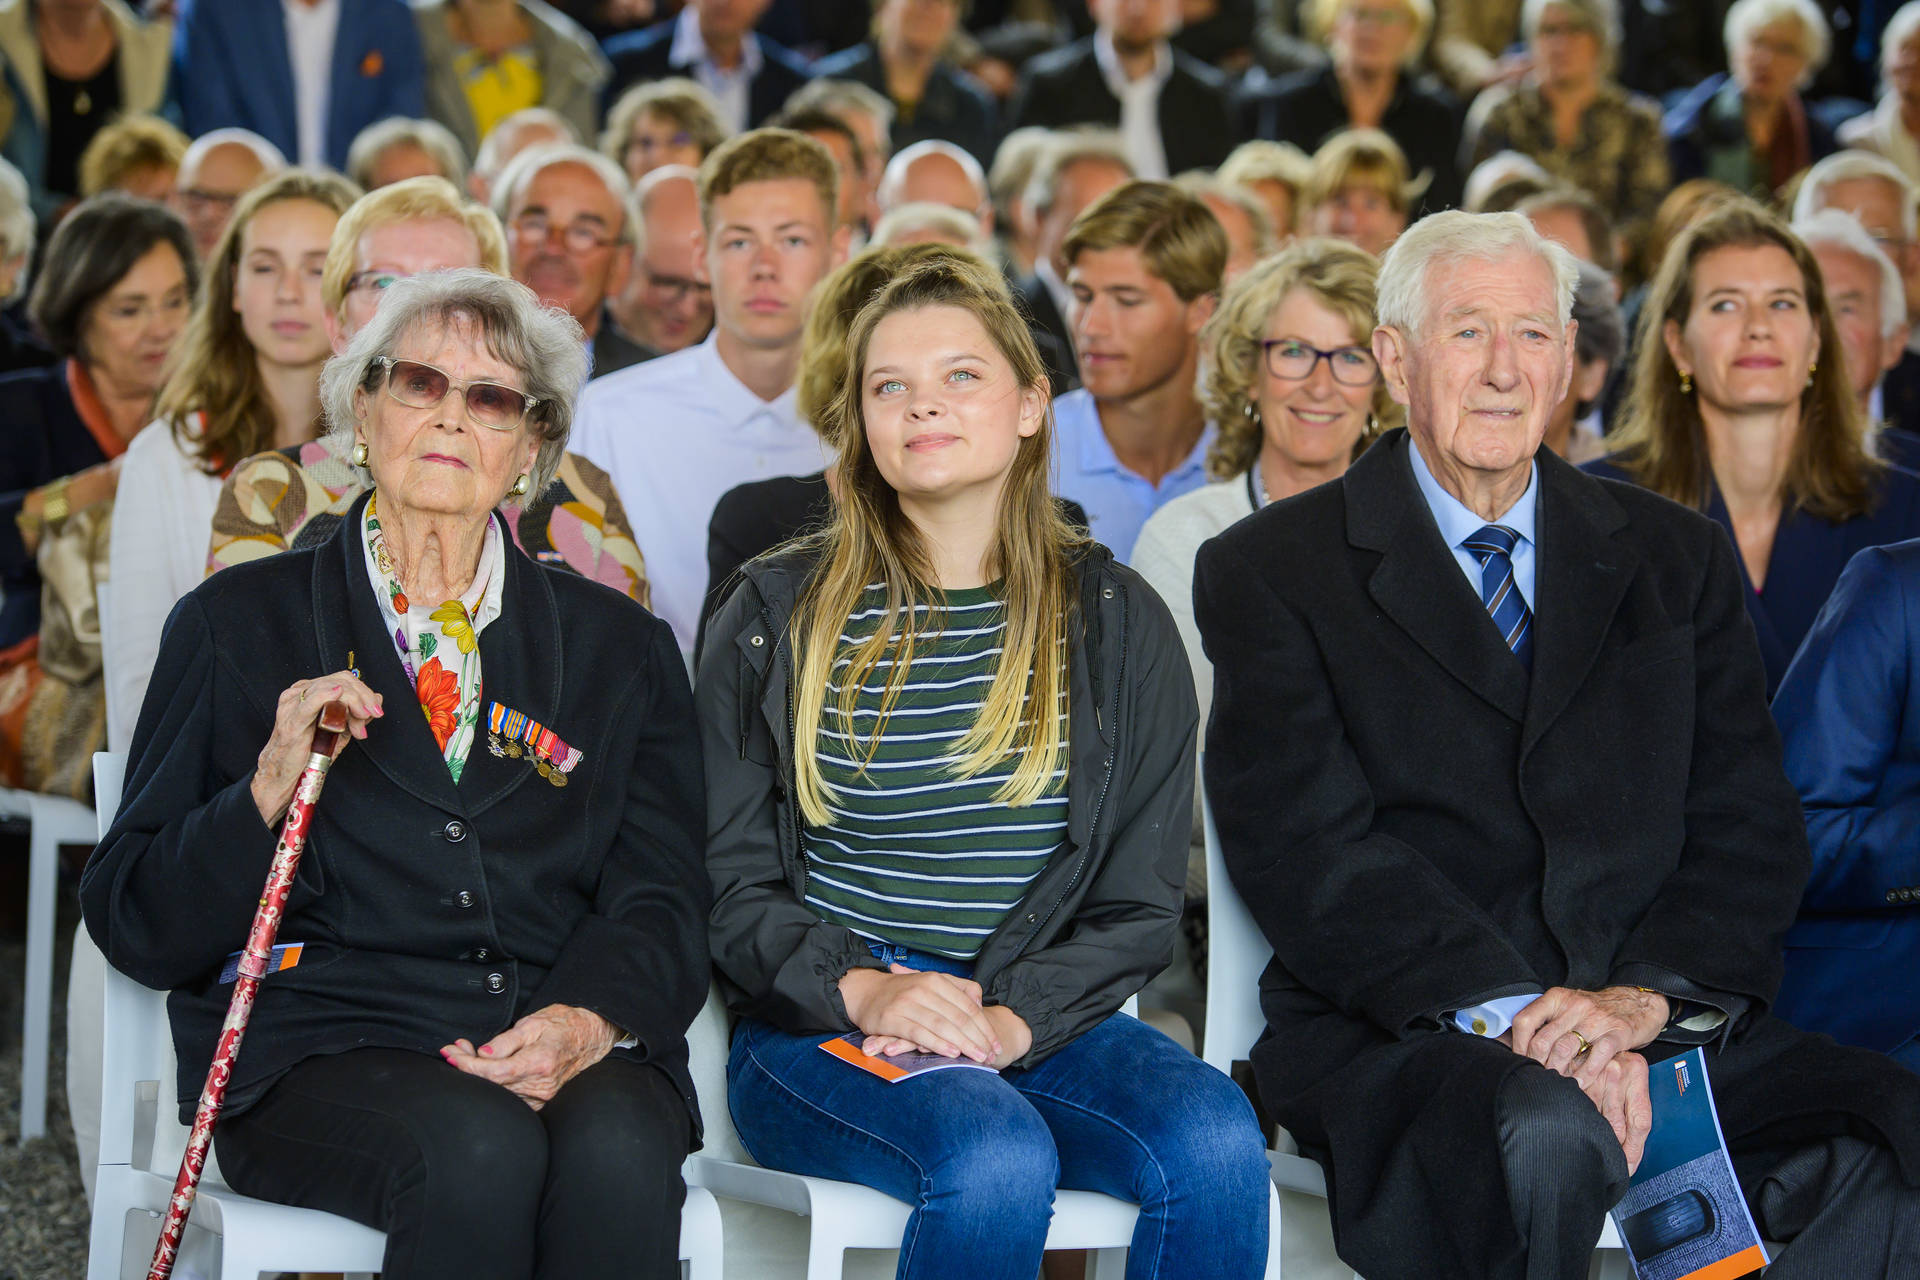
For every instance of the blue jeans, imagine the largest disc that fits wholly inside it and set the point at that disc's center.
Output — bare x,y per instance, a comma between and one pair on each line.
1121,1110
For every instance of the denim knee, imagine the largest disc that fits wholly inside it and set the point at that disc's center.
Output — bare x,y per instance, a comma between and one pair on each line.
1210,1147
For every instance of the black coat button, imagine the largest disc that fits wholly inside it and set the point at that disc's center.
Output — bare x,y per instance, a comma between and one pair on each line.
496,982
456,831
463,899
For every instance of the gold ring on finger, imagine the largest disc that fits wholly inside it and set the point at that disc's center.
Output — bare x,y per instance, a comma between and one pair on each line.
303,694
1586,1045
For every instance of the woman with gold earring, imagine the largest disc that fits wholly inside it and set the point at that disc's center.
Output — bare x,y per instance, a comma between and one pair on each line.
1734,411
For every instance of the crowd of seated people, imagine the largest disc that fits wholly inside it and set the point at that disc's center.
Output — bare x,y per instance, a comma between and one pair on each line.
1150,358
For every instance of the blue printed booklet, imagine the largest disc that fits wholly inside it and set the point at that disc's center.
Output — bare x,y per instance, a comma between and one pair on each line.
1683,1217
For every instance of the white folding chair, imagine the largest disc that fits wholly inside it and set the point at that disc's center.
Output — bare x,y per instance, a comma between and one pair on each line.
229,1236
846,1215
1237,953
51,821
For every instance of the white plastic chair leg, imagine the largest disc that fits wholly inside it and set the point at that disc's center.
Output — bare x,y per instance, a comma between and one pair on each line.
701,1242
1107,1264
43,877
826,1250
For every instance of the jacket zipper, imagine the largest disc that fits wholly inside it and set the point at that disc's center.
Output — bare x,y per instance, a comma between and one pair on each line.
1106,782
797,850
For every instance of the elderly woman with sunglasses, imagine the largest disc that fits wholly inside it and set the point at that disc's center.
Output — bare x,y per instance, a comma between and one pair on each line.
472,1036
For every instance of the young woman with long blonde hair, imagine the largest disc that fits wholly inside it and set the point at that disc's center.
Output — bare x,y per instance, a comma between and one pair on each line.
949,749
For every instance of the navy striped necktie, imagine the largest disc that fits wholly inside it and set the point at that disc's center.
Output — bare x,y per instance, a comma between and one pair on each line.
1492,545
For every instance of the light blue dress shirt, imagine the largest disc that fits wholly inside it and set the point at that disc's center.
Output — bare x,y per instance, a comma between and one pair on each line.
1457,524
1117,500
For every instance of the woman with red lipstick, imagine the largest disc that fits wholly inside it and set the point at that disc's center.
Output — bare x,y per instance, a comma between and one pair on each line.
1740,407
949,751
246,378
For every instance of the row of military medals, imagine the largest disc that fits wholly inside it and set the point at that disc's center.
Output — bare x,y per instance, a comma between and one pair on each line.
511,734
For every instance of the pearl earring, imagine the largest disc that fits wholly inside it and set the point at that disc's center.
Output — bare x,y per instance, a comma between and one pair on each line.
521,486
359,453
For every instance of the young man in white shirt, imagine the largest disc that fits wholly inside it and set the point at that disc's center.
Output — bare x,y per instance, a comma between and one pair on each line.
678,432
1144,264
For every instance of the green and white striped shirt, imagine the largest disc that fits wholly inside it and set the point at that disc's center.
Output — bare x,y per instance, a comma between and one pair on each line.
916,855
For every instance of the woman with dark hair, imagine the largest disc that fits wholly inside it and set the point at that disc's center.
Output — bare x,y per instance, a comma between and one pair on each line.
949,749
1740,407
482,1051
111,299
247,379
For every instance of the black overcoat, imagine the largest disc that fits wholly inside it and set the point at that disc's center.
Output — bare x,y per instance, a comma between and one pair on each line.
1418,826
429,910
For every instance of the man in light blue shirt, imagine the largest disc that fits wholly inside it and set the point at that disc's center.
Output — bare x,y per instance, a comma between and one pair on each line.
677,432
1144,265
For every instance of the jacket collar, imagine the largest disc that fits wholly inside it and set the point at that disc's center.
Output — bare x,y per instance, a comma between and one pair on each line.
521,666
1582,577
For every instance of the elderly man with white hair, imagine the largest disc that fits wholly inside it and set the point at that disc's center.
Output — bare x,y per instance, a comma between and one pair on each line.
1868,304
221,166
523,130
570,240
1876,192
936,172
1492,766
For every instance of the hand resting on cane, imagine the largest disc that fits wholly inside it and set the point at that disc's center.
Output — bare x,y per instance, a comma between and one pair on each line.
277,772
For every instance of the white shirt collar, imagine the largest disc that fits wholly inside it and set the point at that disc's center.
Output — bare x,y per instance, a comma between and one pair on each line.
1109,63
733,399
690,48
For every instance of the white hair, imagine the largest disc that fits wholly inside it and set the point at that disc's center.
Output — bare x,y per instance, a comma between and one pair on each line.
1901,27
16,226
501,143
381,136
837,97
531,163
271,158
1745,17
543,344
1496,169
1071,147
1854,166
924,215
649,182
1457,236
1838,229
895,176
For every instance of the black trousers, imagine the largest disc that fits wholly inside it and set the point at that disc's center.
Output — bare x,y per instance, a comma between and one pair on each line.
1839,1203
464,1177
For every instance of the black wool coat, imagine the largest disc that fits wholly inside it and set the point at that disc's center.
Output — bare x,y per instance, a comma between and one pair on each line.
1065,87
1418,826
429,910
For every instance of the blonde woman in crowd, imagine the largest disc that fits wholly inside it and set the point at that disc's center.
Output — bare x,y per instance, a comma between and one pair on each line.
1359,190
1041,883
138,154
246,378
1276,173
397,148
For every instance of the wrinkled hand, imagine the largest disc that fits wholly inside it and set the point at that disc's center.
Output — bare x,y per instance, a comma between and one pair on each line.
1613,1020
1619,1090
536,1056
277,771
932,1012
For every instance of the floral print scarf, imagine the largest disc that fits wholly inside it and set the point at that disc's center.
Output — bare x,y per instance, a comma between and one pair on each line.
440,648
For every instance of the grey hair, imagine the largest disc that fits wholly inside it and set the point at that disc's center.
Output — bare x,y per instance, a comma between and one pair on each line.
544,344
1603,331
1838,229
1851,166
16,226
1457,236
1495,172
499,146
924,215
1900,28
1744,17
1261,160
531,163
271,158
895,176
1071,147
382,136
837,97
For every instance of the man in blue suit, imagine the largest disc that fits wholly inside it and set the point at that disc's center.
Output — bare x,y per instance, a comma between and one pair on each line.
307,75
1849,713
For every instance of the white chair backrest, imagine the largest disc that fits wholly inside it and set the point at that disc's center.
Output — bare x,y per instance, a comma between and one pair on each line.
101,610
109,774
708,1041
1237,952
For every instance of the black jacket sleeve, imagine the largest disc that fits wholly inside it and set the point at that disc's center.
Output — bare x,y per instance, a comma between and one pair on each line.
639,958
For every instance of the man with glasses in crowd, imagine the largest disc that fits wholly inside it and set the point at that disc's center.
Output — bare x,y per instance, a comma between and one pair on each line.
570,241
665,304
678,432
217,170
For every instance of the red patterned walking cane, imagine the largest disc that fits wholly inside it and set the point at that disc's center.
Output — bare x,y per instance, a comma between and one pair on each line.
253,967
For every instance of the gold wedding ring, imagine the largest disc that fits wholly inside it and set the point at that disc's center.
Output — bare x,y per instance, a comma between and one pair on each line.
309,689
1585,1044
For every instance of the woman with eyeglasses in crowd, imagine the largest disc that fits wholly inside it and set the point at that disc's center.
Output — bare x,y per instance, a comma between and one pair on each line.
247,378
